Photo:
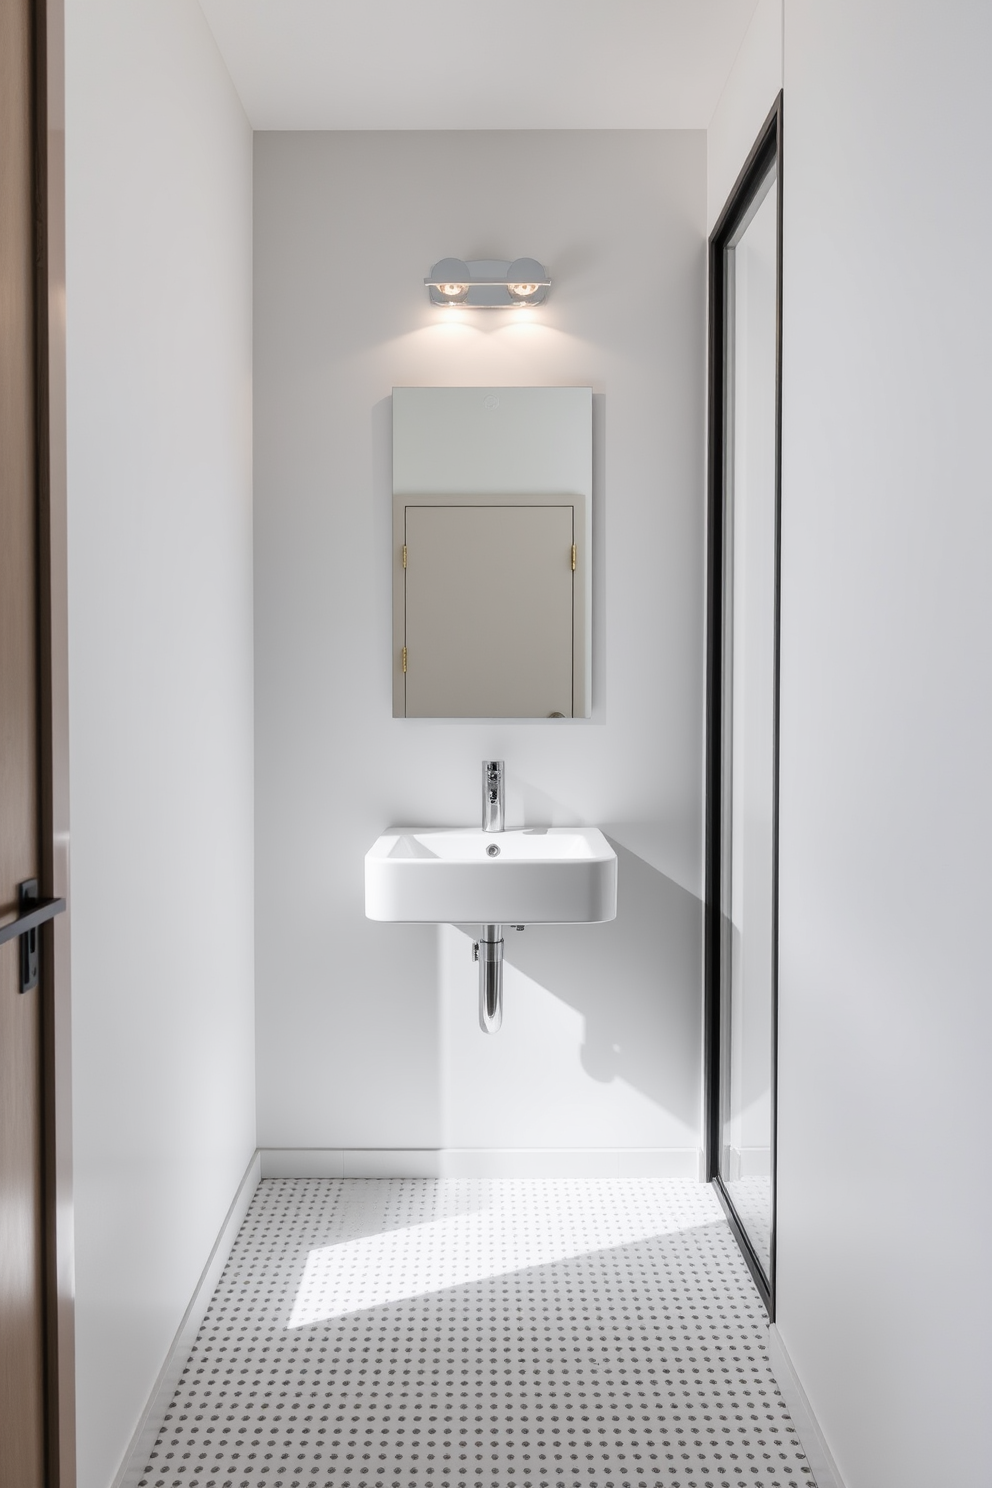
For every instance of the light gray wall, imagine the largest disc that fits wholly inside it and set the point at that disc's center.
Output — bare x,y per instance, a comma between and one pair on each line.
356,1047
751,88
886,811
159,390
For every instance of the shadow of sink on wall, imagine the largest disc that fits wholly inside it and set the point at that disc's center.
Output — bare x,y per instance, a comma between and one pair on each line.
637,982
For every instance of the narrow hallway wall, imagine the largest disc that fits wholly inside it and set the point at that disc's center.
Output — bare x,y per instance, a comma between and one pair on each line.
159,388
886,813
367,1033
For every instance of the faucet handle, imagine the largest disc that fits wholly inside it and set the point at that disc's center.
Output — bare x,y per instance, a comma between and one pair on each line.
492,795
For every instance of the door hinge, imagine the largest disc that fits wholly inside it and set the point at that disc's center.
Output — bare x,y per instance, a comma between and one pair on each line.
573,557
404,658
404,555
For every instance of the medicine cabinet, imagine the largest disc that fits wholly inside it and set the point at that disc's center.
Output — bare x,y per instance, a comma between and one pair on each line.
492,552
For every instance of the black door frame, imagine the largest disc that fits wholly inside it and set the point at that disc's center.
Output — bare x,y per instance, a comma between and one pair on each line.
766,150
53,640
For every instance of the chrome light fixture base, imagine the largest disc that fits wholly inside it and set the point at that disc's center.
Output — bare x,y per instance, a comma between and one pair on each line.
488,283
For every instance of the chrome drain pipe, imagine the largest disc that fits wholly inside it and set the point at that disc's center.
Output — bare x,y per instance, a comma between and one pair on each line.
489,954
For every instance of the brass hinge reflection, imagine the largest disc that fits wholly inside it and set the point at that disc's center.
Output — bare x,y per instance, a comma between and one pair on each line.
404,658
404,555
573,557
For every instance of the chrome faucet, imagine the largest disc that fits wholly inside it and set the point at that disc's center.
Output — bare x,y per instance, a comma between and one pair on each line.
492,795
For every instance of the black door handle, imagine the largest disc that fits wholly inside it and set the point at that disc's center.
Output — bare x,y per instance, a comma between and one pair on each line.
34,912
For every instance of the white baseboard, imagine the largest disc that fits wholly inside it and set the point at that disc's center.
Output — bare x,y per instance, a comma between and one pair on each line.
818,1454
136,1457
481,1162
749,1162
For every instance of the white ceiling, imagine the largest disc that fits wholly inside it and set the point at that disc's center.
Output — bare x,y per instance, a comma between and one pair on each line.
460,64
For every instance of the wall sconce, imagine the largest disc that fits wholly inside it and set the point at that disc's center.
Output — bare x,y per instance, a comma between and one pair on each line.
488,283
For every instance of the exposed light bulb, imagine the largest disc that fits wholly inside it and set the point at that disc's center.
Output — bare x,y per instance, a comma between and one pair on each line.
481,284
526,280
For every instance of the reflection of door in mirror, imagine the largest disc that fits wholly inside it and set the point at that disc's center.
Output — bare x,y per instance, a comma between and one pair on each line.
492,552
749,719
742,714
488,611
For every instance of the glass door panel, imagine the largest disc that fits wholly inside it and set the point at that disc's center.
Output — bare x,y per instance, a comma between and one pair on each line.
749,712
745,299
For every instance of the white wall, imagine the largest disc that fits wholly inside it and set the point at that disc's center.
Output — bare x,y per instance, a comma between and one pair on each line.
366,1033
159,348
748,94
886,811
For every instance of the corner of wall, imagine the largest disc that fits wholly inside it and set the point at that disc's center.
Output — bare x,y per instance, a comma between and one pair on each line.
135,1462
751,88
821,1459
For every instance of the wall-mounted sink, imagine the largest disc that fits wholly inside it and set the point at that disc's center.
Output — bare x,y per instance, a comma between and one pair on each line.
462,875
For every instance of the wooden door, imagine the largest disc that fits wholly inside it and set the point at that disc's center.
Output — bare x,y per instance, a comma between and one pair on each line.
22,1232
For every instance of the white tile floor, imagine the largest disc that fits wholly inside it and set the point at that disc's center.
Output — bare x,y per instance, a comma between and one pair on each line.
524,1333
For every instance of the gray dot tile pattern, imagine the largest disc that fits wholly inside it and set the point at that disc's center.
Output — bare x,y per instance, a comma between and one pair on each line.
527,1333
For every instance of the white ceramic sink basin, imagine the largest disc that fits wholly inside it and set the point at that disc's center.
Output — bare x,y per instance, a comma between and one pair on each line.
550,875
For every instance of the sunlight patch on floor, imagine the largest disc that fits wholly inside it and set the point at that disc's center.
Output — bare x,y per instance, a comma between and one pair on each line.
517,1229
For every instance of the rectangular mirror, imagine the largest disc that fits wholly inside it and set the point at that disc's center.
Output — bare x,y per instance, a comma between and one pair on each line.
492,537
